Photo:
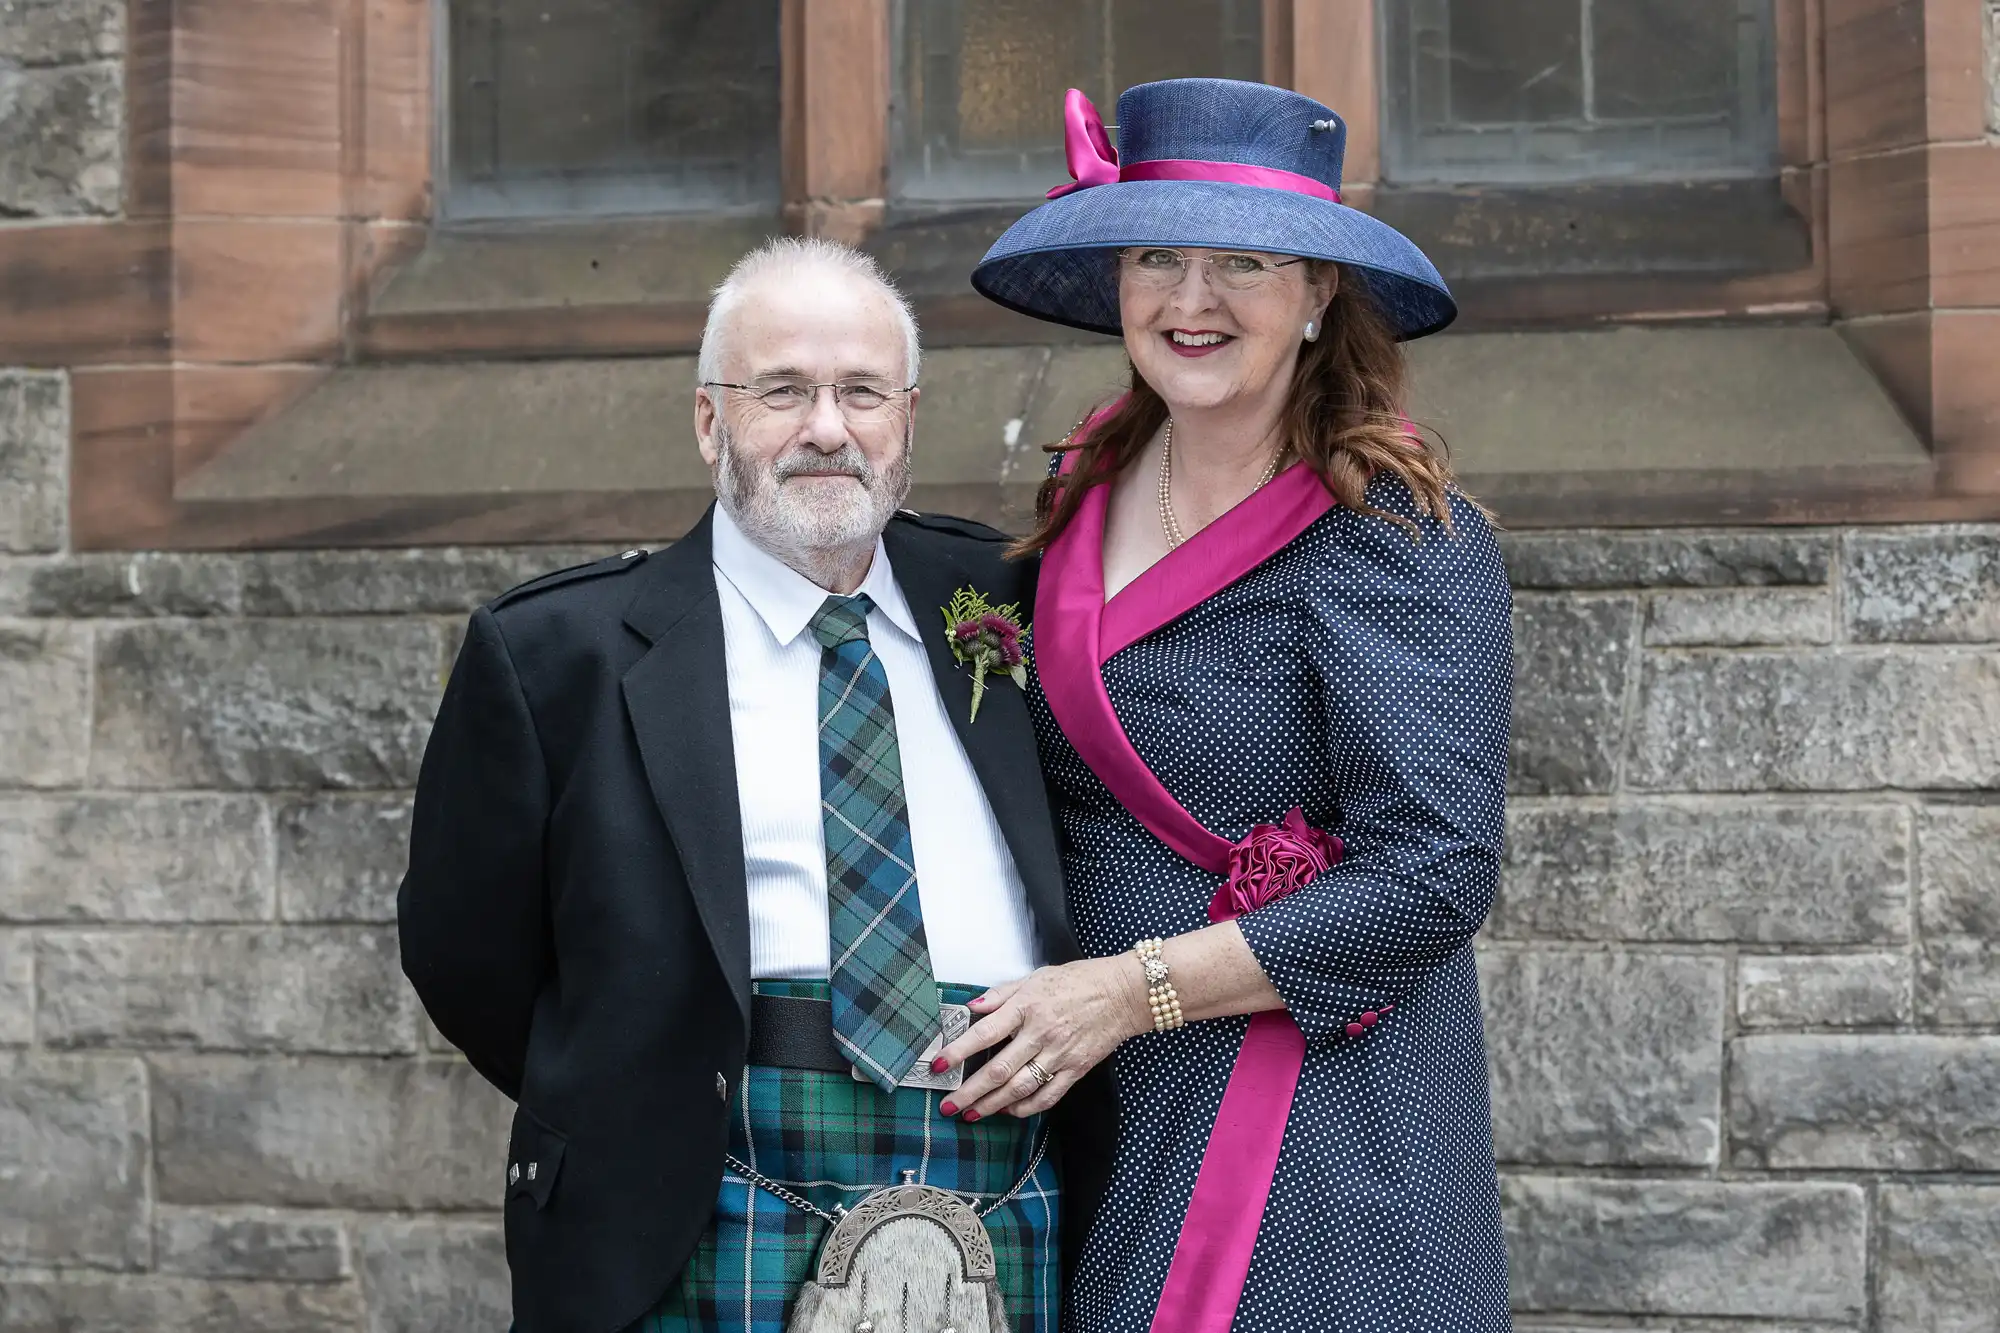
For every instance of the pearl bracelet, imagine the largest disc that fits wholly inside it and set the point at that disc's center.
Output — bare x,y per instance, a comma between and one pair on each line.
1161,997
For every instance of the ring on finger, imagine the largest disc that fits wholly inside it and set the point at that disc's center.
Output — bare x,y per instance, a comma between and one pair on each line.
1042,1076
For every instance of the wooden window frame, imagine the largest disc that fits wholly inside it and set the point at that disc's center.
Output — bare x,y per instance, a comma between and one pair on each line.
236,281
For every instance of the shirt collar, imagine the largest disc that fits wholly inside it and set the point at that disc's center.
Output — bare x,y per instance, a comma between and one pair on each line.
786,600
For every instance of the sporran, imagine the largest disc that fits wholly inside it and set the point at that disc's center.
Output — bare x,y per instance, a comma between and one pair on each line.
907,1259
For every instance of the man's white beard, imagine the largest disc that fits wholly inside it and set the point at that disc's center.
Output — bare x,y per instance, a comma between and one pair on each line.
815,533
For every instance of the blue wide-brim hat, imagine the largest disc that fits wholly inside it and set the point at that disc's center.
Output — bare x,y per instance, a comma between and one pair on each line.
1214,163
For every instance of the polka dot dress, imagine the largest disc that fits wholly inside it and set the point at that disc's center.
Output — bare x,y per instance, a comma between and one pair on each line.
1366,677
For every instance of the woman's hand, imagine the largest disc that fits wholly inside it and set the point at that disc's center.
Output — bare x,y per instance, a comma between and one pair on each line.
1063,1019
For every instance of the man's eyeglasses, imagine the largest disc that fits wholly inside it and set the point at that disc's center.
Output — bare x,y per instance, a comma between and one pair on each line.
1228,270
785,395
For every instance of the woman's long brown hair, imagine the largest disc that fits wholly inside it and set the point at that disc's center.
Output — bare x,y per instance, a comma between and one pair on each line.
1343,418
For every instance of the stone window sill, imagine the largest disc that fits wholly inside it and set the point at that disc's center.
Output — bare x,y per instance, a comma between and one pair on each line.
1628,426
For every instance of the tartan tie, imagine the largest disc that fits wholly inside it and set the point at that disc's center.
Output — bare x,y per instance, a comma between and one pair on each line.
885,999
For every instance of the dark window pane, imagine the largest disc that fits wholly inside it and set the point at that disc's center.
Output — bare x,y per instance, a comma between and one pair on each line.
1667,58
981,82
603,106
1519,62
1574,90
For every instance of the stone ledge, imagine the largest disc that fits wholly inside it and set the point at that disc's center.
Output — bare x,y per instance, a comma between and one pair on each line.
1595,559
448,581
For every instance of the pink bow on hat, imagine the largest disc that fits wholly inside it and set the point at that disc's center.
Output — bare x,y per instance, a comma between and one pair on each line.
1092,159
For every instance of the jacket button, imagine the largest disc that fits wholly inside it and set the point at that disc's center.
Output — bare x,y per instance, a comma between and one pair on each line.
514,1174
722,1088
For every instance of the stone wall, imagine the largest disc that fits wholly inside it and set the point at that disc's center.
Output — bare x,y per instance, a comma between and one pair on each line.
1742,981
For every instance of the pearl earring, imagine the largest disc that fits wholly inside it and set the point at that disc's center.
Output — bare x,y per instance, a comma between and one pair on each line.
1312,330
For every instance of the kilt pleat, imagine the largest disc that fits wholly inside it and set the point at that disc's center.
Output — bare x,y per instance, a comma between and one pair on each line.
834,1140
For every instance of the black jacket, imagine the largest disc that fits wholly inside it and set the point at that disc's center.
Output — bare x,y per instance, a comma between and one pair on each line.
575,918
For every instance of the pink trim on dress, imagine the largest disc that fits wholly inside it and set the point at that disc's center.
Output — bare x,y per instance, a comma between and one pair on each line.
1076,632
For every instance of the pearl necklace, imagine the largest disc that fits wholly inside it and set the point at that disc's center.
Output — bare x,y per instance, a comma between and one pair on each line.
1168,524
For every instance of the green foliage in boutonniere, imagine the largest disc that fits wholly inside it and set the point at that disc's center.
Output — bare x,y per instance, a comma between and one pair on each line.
988,637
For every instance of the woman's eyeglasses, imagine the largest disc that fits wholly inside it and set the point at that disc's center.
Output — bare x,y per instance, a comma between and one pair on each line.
1228,270
858,399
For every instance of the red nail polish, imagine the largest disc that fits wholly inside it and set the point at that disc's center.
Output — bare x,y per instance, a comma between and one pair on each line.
971,1116
939,1065
948,1109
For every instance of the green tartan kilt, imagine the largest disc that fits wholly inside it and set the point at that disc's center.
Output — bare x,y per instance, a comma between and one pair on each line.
834,1140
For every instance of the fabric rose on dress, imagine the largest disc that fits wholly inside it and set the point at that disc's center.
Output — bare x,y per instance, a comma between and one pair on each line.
1271,861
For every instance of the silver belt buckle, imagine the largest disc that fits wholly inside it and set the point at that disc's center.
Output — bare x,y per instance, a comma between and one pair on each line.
957,1019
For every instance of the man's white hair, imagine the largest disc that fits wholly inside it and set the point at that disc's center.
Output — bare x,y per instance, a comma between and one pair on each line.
799,252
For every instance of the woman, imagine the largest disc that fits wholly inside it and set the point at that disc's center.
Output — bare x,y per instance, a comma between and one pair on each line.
1273,681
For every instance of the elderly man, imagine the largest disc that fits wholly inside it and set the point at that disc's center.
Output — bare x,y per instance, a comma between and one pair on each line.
709,846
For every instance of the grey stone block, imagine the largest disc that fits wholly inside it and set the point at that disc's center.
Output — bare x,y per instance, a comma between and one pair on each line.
1569,693
1791,873
1774,721
249,1243
1958,914
1827,990
1871,1103
1924,586
65,127
1958,870
72,1162
94,1303
1739,617
134,858
1687,1247
1958,983
60,32
1583,560
34,454
319,1133
336,989
1940,1258
44,703
435,1277
17,988
264,703
1602,1058
341,858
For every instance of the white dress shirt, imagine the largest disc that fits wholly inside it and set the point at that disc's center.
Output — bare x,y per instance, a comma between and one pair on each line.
976,916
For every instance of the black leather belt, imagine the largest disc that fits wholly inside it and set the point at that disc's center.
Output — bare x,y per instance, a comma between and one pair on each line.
790,1032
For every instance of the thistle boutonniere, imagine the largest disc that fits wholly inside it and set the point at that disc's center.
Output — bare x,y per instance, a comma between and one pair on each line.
988,637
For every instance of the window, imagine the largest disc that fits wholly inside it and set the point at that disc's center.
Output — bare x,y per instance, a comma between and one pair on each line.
1537,91
978,112
608,107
